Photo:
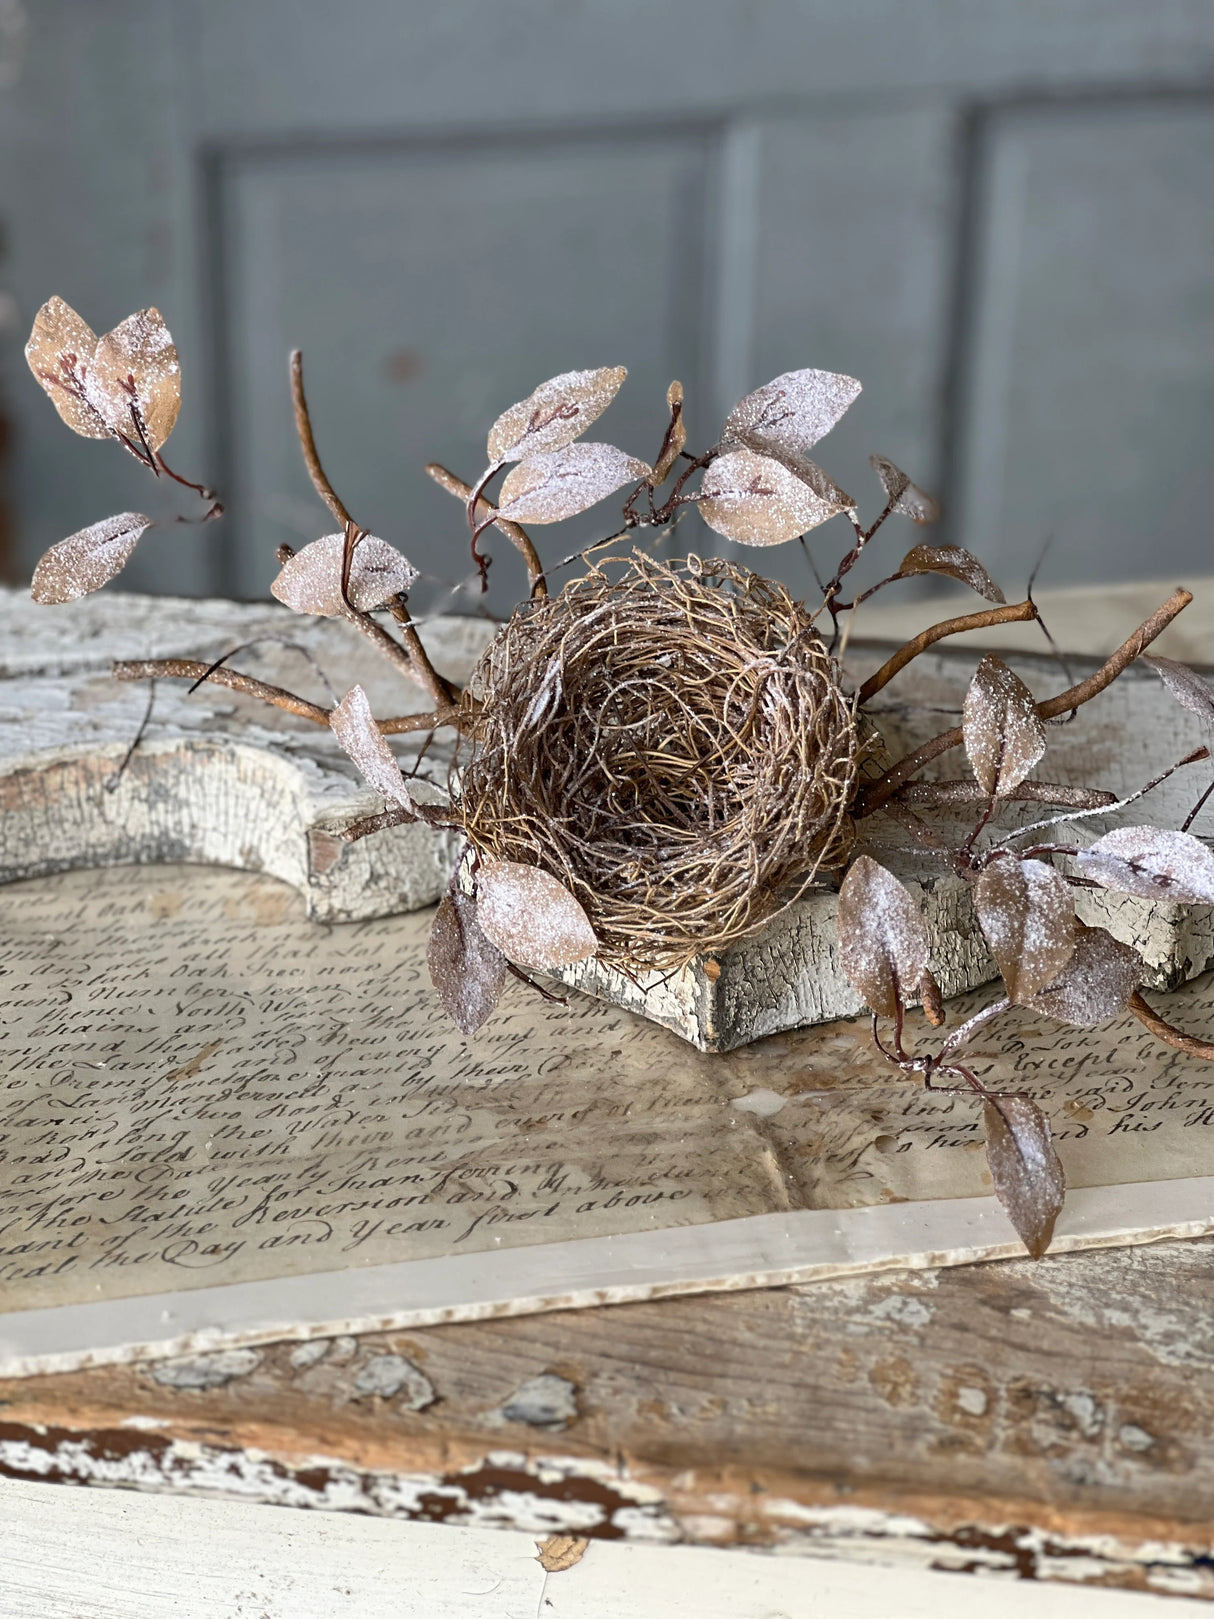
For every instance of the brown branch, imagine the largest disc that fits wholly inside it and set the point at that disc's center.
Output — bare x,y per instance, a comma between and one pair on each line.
945,793
486,513
985,620
303,427
366,824
276,696
887,785
1164,1031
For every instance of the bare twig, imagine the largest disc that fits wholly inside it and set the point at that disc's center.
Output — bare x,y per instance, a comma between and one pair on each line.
303,427
946,793
1018,612
1188,1043
486,513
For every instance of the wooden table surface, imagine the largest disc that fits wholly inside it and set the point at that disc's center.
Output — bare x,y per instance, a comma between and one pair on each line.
1050,1420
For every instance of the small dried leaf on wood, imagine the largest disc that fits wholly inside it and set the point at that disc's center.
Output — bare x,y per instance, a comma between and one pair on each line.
794,410
1028,919
466,968
809,472
1152,862
676,436
60,353
355,728
531,917
559,411
906,497
1096,984
1004,735
135,366
755,500
550,487
310,581
881,937
1186,685
957,563
87,560
1028,1178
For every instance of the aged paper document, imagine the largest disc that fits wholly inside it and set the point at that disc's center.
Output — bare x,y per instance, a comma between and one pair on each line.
203,1093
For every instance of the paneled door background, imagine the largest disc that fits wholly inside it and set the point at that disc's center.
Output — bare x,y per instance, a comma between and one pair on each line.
999,215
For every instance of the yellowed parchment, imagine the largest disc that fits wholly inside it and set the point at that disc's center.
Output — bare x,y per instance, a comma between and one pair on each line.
198,1086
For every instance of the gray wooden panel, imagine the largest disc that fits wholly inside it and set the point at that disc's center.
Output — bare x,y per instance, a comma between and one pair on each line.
1087,406
430,287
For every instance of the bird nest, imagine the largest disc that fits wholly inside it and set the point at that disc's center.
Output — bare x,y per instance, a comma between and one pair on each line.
672,744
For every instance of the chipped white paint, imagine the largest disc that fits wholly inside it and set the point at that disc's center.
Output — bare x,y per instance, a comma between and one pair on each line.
207,1371
973,1401
386,1376
547,1401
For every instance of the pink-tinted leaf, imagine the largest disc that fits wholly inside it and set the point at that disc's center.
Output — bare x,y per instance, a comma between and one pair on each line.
792,411
60,353
467,970
905,496
1186,685
676,436
1028,919
1028,1178
881,938
559,411
956,563
85,561
355,728
135,373
1096,984
756,500
310,582
1153,863
1003,733
531,917
548,488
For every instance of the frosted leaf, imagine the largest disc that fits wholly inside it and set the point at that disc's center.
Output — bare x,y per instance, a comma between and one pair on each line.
956,563
881,938
756,500
466,969
310,582
355,728
1188,688
1028,1178
1003,733
1026,914
809,472
531,917
1151,862
1096,984
559,411
904,496
135,365
548,488
794,410
60,352
88,559
676,436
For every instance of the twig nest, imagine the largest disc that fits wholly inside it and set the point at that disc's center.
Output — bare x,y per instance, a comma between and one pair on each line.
673,745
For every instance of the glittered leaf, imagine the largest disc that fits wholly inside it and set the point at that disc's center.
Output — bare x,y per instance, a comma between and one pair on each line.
956,563
1097,982
676,436
310,582
60,353
904,496
1003,733
1185,685
756,500
1029,1180
548,488
1028,919
1151,862
881,938
531,917
85,561
794,410
820,482
355,728
559,411
467,970
135,380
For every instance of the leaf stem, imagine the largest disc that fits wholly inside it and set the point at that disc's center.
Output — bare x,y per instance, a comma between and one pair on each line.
487,512
1188,1043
